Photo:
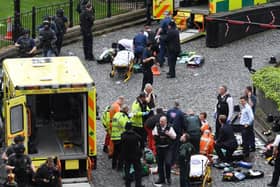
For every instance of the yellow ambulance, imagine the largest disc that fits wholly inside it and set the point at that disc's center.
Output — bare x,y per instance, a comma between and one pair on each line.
52,102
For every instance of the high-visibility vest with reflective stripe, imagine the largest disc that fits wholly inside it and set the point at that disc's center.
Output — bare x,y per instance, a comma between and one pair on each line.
137,119
206,144
118,125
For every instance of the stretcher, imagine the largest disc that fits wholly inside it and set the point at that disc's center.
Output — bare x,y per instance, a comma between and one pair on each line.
123,64
200,171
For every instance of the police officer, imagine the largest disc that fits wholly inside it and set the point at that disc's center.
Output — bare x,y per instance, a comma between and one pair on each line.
21,166
164,134
173,48
147,63
162,34
223,107
139,113
131,152
118,127
47,175
61,24
47,39
26,44
86,24
139,44
11,149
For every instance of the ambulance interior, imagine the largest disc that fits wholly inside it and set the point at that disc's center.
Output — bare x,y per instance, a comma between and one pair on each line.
57,124
197,4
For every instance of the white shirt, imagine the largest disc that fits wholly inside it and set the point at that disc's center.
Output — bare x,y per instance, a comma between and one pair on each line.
171,131
247,116
276,141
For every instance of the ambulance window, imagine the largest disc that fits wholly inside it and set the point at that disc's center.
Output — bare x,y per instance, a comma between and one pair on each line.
16,119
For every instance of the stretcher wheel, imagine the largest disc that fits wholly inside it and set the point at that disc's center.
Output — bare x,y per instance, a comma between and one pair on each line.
111,74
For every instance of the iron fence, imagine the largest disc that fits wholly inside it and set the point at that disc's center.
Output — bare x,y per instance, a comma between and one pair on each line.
10,30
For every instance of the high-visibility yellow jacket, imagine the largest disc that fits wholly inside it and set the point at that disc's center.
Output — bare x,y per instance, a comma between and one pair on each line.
137,114
118,125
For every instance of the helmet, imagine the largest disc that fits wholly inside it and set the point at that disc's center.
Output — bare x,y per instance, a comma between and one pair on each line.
18,139
19,149
26,31
60,12
46,22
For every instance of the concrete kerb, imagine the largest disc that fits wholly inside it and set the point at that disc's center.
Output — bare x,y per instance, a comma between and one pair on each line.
100,27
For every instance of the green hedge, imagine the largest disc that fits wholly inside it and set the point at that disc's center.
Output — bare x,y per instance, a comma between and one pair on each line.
268,81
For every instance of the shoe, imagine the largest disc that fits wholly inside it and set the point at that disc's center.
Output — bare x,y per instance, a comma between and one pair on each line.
252,149
168,181
272,185
105,149
159,182
170,77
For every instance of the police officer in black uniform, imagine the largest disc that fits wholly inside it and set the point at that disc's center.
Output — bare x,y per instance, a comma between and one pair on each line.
11,149
173,48
47,39
163,135
26,44
47,175
21,166
131,152
86,23
223,107
61,25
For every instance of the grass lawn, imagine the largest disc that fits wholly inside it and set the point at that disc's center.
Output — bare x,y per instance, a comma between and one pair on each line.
7,6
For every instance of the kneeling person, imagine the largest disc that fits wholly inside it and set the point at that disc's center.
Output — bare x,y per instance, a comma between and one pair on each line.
226,140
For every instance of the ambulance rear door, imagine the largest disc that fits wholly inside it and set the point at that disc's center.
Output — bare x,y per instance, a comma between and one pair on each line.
15,119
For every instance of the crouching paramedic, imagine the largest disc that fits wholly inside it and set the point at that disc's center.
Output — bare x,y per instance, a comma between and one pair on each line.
164,134
118,127
207,144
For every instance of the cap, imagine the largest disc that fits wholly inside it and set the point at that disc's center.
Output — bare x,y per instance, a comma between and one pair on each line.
60,12
18,139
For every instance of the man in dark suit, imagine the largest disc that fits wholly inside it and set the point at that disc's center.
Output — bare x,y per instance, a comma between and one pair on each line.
173,48
226,140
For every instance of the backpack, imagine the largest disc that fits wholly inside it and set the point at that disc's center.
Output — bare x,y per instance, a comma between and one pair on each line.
61,29
105,118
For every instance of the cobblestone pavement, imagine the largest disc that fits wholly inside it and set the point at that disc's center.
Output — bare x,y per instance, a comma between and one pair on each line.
194,88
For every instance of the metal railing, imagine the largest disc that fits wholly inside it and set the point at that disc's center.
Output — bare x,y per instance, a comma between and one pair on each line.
33,19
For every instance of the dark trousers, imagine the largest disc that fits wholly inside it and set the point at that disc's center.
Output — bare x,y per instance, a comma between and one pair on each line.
195,141
147,78
229,151
218,126
184,172
137,168
172,58
59,42
175,149
246,139
87,45
148,14
164,159
141,132
116,161
252,138
276,172
162,52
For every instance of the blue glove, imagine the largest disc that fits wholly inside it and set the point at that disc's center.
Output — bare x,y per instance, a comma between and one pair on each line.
145,113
